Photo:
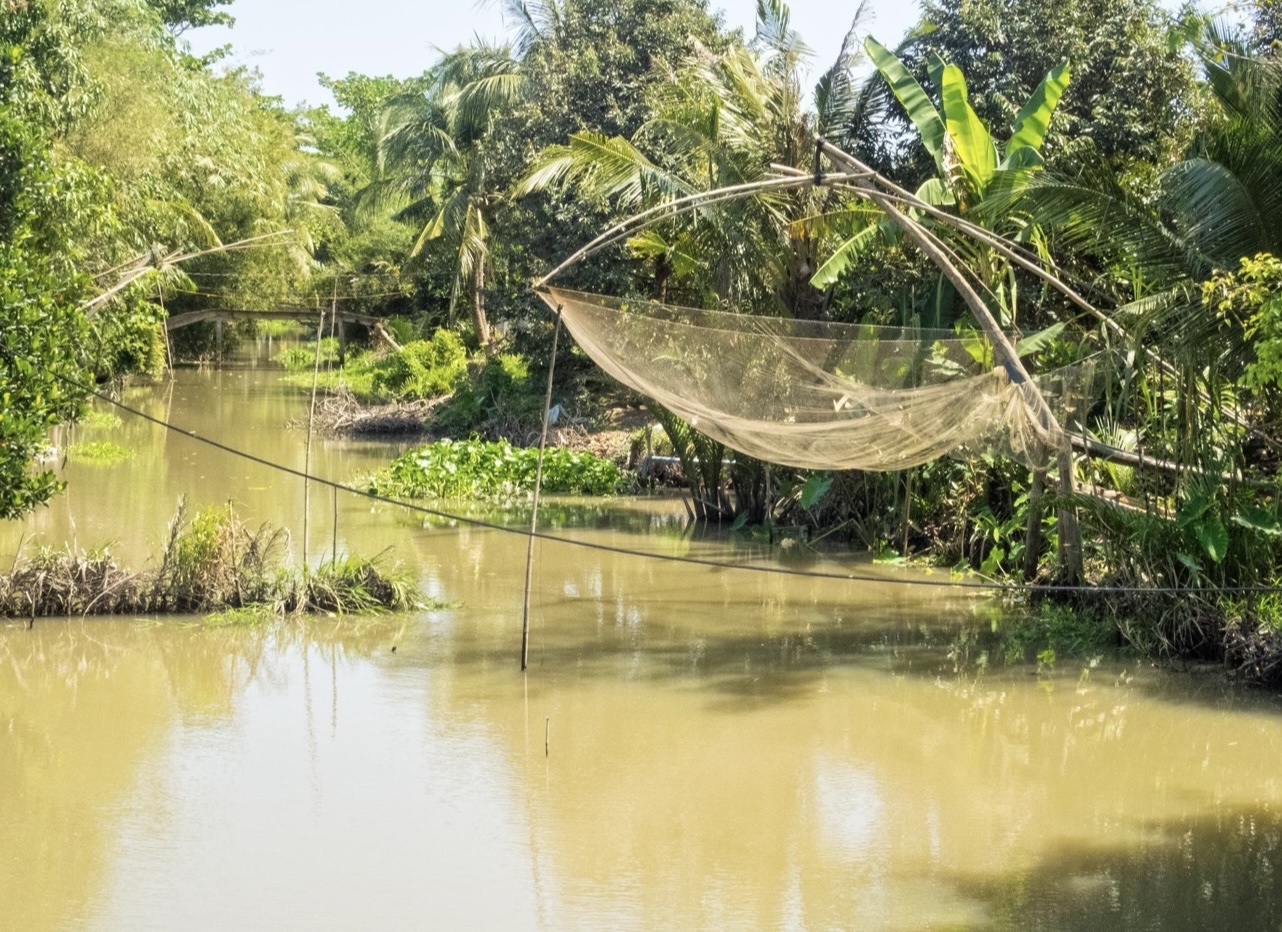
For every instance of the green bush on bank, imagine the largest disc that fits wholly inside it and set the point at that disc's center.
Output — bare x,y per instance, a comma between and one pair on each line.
301,357
499,398
476,469
421,369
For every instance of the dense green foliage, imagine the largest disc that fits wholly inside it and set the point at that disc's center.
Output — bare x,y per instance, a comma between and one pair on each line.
1138,152
496,472
42,337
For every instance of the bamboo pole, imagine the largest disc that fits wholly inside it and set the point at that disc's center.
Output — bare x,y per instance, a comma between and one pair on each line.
538,485
1033,534
1046,270
311,417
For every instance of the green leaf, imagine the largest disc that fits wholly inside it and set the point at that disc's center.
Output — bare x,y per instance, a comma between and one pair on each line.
914,100
935,68
1025,159
1214,538
936,193
1035,118
846,253
1036,342
1258,519
971,140
815,488
1192,510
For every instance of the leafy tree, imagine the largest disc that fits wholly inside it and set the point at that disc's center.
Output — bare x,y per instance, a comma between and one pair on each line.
42,335
588,67
1131,96
433,169
974,174
182,15
724,120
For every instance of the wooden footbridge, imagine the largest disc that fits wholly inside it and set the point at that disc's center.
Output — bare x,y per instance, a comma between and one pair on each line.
337,319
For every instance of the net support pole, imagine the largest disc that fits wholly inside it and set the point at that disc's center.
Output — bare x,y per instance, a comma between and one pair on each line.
1070,533
1033,535
538,488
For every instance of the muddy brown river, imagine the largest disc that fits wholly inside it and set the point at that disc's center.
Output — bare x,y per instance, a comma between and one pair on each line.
692,747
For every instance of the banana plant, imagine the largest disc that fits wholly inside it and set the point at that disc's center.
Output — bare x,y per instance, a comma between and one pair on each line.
971,164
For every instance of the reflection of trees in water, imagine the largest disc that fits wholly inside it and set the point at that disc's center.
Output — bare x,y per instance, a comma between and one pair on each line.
83,705
1221,871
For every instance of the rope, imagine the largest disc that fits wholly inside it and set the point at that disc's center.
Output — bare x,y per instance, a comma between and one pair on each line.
647,554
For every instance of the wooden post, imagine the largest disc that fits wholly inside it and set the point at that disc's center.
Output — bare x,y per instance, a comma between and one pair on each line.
908,511
1070,533
538,484
307,449
1033,536
218,337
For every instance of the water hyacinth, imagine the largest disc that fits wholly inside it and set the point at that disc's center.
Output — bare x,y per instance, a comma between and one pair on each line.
498,471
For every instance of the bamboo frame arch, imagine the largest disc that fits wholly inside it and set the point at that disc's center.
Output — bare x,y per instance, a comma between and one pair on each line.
859,179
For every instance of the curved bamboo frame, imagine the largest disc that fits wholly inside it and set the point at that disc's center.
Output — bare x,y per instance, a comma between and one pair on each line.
863,181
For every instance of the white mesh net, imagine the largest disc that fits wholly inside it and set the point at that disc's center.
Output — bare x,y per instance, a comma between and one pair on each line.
821,395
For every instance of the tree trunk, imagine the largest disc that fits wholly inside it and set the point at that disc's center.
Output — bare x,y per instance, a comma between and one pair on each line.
479,320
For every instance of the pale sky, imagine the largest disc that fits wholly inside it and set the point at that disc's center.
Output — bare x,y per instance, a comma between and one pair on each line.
290,40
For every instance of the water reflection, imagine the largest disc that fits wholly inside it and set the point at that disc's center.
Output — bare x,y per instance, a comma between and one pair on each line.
725,749
1218,871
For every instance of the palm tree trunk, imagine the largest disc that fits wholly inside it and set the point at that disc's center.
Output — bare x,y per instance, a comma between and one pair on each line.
479,320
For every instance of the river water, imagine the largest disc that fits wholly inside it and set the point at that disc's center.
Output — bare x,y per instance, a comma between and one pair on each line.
692,747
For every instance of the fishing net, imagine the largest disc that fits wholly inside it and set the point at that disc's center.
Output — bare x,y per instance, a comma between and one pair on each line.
820,395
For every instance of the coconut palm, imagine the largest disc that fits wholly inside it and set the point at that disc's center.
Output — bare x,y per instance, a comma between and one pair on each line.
724,121
432,169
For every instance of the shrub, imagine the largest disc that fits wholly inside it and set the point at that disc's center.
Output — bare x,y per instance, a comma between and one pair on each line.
422,369
500,396
212,564
301,357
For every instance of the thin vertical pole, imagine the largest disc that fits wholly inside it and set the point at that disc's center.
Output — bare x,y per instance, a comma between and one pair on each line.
538,487
169,344
908,511
1033,534
311,416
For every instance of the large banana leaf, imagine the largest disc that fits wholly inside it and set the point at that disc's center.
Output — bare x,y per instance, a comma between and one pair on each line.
1035,118
972,143
914,100
881,232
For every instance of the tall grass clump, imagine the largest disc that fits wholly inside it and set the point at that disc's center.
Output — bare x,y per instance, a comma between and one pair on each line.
214,563
496,472
352,586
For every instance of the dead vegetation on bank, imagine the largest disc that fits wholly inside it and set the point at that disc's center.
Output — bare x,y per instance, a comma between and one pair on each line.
340,412
213,563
